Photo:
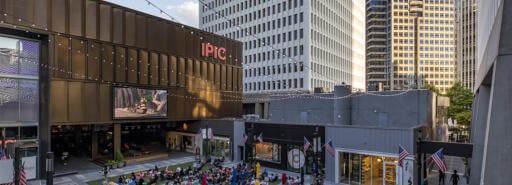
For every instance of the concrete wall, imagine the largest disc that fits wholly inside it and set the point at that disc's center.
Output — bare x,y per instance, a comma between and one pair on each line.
491,162
317,107
384,109
396,109
238,130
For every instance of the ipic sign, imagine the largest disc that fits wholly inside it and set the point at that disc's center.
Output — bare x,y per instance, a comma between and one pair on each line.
210,50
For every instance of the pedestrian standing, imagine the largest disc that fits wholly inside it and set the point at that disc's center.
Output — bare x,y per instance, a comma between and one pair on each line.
455,178
441,177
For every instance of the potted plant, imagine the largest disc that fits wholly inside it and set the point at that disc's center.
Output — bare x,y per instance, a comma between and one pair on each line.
120,159
113,164
109,163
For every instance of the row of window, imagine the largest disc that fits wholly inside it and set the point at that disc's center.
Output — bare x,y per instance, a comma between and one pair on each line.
431,69
257,14
275,54
424,55
259,28
428,1
275,39
274,85
275,69
423,62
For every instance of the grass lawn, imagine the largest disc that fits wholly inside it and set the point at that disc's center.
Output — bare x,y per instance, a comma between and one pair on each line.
116,178
173,168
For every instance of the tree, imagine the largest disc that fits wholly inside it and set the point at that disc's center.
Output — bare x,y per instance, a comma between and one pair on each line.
461,99
432,88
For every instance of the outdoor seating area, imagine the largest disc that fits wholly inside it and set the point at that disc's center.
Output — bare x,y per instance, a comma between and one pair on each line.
208,171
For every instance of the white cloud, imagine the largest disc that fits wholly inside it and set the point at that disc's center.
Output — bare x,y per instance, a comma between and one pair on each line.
187,13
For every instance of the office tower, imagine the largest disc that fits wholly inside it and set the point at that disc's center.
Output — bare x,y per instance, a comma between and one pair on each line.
293,45
410,44
466,42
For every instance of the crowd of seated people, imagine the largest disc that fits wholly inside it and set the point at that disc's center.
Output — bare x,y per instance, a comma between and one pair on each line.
205,173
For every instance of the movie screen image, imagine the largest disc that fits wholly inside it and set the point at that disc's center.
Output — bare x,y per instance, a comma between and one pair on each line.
137,103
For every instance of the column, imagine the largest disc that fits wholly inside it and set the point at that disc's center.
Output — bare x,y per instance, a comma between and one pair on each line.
94,142
498,139
117,138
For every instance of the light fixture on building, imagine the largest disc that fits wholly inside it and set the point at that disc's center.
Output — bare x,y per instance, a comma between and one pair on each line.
185,126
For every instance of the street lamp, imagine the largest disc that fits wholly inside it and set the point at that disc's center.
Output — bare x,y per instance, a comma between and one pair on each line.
416,9
49,168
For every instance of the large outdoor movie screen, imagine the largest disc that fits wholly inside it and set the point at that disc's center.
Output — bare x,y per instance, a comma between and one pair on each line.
137,103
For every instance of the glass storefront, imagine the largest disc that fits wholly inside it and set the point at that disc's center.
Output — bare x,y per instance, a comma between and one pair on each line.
19,98
221,147
268,152
360,169
19,74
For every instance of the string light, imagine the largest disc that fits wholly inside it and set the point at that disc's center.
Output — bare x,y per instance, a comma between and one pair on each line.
235,98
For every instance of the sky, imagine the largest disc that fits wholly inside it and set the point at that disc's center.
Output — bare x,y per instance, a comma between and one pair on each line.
185,11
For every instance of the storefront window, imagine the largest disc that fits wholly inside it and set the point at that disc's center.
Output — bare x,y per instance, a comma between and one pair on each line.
366,166
28,132
19,72
221,148
343,166
268,152
355,163
366,169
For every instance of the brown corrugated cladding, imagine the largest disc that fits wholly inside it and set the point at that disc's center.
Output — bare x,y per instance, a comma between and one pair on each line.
97,45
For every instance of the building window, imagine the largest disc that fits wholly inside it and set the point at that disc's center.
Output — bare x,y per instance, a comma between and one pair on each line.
366,169
19,80
268,152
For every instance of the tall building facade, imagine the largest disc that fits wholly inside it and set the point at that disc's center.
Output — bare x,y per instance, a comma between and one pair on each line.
293,45
466,42
98,78
490,128
410,43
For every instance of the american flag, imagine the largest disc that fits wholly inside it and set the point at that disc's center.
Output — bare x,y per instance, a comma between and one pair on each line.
328,146
438,158
244,138
199,135
402,154
211,135
3,154
23,176
307,144
260,138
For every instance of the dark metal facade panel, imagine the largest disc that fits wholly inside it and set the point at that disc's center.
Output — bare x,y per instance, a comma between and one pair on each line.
129,28
154,73
78,63
75,101
120,65
91,102
96,42
118,26
143,67
164,70
105,23
107,62
91,19
93,61
76,18
59,16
